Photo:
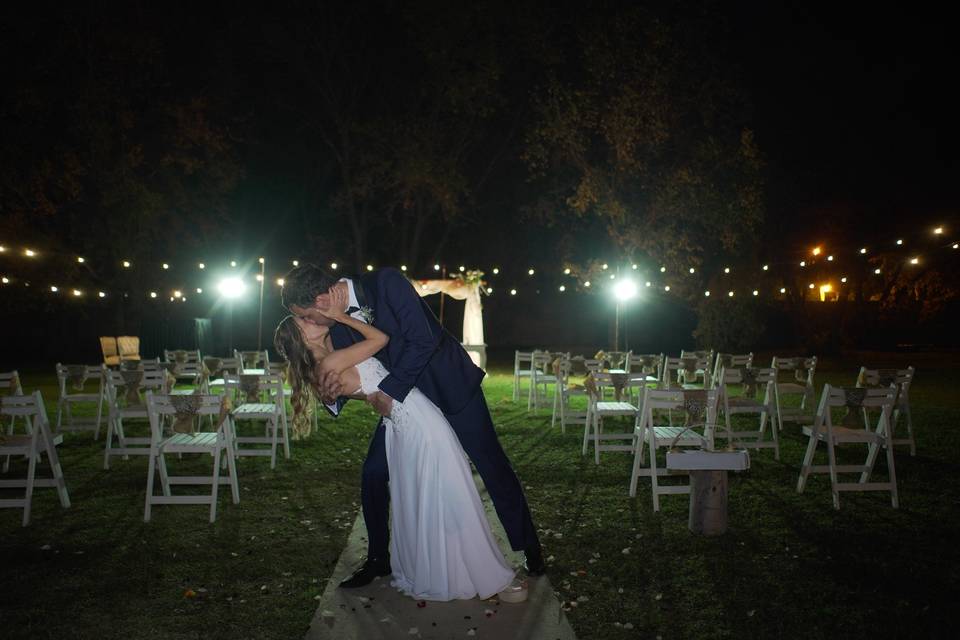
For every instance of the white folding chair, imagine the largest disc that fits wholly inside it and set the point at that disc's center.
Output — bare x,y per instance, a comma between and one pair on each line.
186,409
185,365
598,409
567,390
730,361
521,369
683,372
541,374
254,388
752,383
901,379
32,445
648,365
855,400
10,385
700,406
76,376
803,370
124,401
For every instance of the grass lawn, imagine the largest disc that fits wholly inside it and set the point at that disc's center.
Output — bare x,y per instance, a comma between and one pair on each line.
789,566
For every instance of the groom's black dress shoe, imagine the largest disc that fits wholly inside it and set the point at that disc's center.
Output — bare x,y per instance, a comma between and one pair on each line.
534,561
370,569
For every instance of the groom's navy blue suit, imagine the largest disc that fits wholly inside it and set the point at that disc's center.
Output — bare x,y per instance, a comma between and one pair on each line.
422,354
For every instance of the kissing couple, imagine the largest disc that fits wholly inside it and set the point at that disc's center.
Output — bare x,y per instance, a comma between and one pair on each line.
373,338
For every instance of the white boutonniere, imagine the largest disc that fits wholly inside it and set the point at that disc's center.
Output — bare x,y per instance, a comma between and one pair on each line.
367,314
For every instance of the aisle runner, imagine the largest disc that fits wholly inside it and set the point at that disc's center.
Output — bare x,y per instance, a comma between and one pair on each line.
380,611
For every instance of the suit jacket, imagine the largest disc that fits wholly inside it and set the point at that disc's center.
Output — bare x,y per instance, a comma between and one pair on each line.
420,353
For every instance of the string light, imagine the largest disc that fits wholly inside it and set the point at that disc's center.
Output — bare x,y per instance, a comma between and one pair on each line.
843,279
811,285
177,294
369,267
496,270
3,249
165,265
530,272
648,283
6,280
899,242
153,294
30,253
403,267
706,293
863,250
101,294
260,260
663,269
462,268
333,265
635,267
202,266
489,290
80,259
766,267
829,258
876,271
816,251
783,289
938,231
54,289
605,265
233,263
259,277
613,276
730,294
666,288
692,270
562,288
803,263
566,271
587,283
296,263
126,264
955,245
755,292
726,269
436,267
513,292
199,290
914,260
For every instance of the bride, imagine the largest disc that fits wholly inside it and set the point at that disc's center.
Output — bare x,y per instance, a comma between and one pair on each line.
441,547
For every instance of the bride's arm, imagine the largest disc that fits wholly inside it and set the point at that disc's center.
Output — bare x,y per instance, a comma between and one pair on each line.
373,340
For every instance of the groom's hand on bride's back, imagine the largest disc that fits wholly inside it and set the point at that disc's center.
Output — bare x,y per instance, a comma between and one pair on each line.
381,402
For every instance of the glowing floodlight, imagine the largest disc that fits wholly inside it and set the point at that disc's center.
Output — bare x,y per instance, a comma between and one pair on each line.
231,287
625,289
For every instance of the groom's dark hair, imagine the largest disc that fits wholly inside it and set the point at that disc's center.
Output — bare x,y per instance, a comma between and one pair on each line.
304,283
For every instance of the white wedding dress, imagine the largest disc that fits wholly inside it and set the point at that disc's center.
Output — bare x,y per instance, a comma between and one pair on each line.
441,547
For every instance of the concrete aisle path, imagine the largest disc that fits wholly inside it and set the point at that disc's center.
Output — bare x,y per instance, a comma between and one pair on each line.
380,611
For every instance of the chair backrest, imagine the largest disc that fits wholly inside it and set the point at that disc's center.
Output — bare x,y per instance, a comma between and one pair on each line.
855,399
689,364
900,378
128,347
10,382
731,361
650,363
185,407
250,387
183,356
77,375
701,405
753,380
30,406
149,379
111,353
803,368
253,359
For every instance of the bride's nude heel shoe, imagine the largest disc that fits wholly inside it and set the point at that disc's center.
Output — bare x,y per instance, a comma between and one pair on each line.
516,592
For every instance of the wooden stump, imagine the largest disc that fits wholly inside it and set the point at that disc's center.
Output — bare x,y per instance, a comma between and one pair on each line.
708,502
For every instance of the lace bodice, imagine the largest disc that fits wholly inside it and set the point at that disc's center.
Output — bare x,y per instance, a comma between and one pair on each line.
371,373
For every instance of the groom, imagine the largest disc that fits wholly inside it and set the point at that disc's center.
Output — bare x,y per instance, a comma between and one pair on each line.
421,354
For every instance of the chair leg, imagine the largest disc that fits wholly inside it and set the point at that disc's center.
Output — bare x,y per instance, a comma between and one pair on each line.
273,443
654,483
637,459
832,461
151,464
55,469
807,461
232,469
109,445
892,471
215,489
597,428
586,431
96,433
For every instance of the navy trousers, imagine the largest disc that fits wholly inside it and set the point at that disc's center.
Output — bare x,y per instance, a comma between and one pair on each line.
474,427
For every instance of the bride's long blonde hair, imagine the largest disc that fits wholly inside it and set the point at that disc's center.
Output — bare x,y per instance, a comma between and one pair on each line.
301,372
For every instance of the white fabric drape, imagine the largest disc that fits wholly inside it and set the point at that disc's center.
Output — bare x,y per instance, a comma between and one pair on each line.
459,290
